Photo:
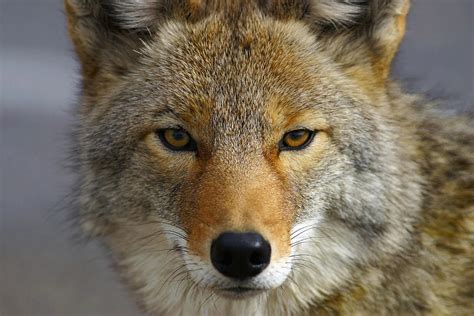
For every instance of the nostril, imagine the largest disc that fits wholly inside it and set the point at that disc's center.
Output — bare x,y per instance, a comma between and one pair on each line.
258,258
226,258
219,255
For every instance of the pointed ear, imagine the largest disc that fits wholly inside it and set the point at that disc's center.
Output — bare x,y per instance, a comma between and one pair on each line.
362,35
107,33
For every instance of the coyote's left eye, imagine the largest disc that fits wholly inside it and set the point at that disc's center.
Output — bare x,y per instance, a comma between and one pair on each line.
297,139
176,139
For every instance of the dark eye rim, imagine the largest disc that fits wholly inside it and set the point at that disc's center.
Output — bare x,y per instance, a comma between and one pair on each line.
284,147
190,147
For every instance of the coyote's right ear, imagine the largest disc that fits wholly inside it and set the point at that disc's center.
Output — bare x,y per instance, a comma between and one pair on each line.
107,33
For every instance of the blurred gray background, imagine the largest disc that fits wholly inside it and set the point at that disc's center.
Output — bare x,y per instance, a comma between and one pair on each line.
42,270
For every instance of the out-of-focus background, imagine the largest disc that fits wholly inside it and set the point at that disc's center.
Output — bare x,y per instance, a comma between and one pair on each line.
42,270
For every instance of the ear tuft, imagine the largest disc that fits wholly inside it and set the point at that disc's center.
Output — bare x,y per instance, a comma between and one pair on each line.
338,13
133,14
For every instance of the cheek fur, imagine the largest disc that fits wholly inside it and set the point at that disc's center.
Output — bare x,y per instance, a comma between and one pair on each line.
164,161
308,158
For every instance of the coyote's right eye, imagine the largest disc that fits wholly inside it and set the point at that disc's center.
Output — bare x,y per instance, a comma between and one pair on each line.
176,139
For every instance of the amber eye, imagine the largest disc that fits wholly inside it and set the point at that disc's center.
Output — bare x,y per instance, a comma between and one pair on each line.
176,139
297,139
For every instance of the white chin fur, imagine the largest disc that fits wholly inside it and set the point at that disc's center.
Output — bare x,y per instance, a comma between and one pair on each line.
206,276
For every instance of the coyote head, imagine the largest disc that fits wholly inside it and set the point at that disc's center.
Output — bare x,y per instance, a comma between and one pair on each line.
236,153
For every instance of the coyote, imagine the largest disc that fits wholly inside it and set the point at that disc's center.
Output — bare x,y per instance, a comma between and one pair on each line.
253,157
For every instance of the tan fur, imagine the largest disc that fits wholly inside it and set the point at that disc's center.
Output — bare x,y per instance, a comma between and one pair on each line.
374,217
230,203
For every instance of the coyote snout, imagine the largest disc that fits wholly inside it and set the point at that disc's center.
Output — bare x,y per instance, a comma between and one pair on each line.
238,226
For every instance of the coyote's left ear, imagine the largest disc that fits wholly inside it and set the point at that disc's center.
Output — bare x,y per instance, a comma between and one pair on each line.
362,35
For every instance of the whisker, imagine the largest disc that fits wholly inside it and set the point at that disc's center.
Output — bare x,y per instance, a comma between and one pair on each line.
306,240
205,301
302,229
170,276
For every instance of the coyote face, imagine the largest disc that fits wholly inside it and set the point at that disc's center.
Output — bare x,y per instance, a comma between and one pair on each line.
263,158
243,154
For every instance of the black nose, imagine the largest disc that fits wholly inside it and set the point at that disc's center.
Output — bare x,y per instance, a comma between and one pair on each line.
240,255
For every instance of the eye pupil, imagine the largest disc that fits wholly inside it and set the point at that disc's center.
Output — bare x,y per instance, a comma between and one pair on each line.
297,135
178,135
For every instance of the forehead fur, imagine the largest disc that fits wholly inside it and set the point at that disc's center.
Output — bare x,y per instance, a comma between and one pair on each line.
237,67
